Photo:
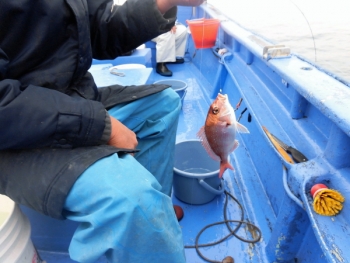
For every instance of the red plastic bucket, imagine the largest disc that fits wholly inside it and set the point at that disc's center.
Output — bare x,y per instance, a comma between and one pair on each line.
204,32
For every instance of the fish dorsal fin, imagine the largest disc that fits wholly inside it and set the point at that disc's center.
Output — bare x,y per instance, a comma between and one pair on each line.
241,128
201,135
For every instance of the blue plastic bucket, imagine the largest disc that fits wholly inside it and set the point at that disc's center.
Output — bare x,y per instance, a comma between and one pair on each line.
178,85
196,174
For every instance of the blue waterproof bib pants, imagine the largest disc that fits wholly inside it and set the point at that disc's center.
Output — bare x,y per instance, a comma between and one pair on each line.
122,202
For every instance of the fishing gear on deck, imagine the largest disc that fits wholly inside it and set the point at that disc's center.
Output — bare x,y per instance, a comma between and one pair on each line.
285,150
237,107
240,116
232,232
327,202
296,155
239,103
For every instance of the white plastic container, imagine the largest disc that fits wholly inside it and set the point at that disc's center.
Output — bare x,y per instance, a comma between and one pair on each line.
15,243
127,66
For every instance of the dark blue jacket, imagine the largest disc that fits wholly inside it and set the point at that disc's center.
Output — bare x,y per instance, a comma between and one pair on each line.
52,116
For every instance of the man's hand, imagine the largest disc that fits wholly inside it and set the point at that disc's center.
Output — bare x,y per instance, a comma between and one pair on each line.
121,136
165,5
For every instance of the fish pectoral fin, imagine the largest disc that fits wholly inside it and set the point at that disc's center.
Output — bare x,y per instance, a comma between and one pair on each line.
241,128
201,135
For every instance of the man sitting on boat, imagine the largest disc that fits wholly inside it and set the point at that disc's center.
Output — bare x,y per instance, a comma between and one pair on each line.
170,48
68,149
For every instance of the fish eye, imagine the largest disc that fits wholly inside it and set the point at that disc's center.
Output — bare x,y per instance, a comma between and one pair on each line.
215,110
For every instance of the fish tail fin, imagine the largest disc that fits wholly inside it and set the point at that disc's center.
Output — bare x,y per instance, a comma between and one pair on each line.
223,167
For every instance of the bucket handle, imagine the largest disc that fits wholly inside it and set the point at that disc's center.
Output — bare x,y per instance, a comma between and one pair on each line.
183,96
211,189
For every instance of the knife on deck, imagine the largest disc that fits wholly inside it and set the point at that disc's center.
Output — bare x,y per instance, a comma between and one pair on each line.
296,155
278,147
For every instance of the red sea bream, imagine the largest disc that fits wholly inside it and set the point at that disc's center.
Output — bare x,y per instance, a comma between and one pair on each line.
218,135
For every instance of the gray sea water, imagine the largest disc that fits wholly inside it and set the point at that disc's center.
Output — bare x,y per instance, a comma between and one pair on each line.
316,30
